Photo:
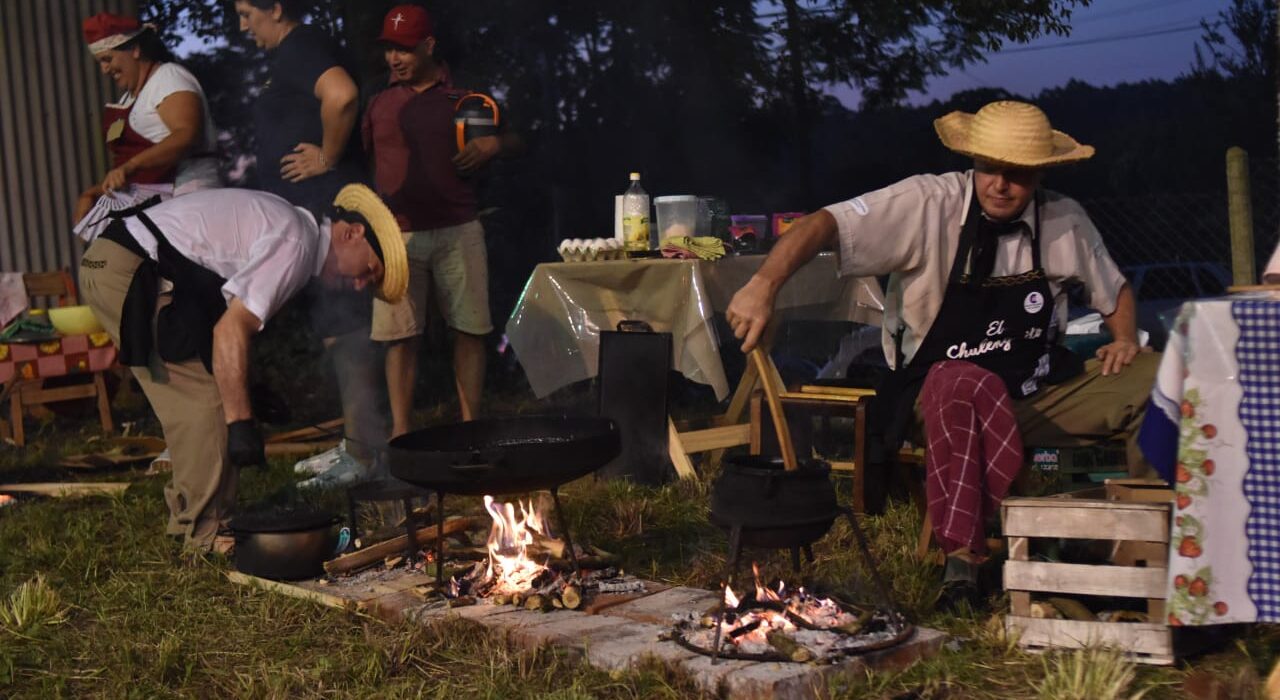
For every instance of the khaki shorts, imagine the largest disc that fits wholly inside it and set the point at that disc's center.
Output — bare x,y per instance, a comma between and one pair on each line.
452,262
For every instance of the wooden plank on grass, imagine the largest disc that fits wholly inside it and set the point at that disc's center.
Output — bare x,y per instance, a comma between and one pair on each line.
73,488
1100,520
291,590
327,429
679,457
1132,637
1084,579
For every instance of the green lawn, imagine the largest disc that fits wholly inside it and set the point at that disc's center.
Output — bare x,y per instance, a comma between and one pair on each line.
113,609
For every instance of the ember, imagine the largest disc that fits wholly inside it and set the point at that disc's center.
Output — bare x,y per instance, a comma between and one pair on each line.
787,624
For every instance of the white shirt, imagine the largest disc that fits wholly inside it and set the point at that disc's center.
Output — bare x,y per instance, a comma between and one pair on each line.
910,231
266,248
1271,275
166,79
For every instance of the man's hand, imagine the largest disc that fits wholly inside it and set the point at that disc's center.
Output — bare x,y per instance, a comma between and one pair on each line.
244,444
1117,355
750,310
306,161
479,151
116,179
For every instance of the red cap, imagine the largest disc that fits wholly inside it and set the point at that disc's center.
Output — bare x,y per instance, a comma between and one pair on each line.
105,31
407,26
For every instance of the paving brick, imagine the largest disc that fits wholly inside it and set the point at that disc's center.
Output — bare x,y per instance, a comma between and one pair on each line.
658,608
626,652
779,681
578,630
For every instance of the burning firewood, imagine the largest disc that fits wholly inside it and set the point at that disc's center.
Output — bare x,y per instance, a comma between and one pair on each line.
571,597
373,554
788,647
537,602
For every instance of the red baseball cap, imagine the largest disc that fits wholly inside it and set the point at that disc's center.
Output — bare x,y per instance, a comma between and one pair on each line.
105,31
407,26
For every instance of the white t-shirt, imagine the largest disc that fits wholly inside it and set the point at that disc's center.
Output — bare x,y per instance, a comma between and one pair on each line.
193,172
266,248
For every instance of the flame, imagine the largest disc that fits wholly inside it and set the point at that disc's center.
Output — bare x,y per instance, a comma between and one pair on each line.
510,567
731,600
764,594
822,612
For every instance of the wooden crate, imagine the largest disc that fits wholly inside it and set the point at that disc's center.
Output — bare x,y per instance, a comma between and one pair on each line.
1139,560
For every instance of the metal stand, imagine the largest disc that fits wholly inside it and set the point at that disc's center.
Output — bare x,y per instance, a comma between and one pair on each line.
735,553
386,490
564,527
440,541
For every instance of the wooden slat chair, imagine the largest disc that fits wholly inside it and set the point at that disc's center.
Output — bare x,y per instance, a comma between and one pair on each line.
59,288
850,400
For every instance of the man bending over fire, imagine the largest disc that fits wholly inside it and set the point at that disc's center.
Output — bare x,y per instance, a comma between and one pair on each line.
183,287
978,265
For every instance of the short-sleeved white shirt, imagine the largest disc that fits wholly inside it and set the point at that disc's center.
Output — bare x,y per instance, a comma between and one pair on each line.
910,231
167,78
266,248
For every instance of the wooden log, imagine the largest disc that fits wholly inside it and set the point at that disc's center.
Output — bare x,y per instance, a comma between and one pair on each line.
276,449
326,429
1240,217
373,554
70,488
571,597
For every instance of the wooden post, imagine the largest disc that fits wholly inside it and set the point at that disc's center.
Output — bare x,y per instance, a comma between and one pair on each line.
1240,216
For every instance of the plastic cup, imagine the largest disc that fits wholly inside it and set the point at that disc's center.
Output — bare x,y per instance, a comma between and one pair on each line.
677,216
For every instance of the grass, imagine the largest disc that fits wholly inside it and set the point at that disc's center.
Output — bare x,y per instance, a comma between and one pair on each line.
96,602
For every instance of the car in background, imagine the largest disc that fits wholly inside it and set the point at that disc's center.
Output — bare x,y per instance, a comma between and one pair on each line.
1160,289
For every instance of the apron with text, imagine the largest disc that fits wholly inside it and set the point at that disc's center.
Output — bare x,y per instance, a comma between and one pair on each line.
1002,324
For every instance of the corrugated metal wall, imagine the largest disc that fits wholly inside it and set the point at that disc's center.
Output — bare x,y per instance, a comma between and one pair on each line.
51,97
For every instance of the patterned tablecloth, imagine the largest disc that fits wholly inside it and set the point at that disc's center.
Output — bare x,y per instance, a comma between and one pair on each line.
555,326
73,354
1214,432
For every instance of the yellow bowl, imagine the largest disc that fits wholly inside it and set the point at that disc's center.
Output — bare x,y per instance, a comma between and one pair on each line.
74,320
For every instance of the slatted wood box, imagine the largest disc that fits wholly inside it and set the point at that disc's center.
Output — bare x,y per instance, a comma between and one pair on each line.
1138,528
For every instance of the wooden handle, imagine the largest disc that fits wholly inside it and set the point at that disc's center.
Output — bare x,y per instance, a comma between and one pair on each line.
772,385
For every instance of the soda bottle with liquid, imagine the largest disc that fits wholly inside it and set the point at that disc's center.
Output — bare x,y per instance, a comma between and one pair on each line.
635,216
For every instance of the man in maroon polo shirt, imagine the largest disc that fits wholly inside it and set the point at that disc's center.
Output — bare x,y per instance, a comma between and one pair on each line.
427,182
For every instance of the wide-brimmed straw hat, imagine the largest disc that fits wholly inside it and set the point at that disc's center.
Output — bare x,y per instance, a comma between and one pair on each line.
1010,133
395,262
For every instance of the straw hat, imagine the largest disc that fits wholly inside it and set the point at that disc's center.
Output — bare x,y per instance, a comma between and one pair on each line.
395,262
1011,133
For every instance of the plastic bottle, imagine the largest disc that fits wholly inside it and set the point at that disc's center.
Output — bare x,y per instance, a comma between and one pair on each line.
635,216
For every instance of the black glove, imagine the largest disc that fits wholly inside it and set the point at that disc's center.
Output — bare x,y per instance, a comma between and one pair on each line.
244,444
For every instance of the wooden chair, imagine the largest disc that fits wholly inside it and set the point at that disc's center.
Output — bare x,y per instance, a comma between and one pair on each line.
849,400
59,288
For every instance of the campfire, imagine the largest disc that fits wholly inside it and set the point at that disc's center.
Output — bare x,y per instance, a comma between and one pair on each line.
787,624
526,566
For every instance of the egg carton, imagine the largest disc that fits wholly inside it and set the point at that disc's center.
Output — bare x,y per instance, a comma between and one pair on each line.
588,249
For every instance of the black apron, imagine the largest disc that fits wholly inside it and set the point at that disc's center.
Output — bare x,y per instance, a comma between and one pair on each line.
1003,324
183,328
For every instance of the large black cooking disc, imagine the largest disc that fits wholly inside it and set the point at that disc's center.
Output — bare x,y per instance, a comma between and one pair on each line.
504,455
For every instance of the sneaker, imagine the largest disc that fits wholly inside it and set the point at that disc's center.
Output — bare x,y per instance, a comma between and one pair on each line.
323,462
162,464
344,471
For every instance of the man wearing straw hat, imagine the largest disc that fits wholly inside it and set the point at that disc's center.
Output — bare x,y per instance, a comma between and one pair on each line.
978,265
184,286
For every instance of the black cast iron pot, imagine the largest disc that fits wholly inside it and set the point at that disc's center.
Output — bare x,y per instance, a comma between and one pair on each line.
286,546
775,508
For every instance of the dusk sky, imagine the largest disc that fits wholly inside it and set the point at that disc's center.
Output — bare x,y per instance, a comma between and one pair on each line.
1094,51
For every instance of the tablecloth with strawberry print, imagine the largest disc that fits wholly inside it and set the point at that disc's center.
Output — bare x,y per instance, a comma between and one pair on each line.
1213,431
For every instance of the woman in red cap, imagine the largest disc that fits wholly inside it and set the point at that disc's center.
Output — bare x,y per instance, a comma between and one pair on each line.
159,133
